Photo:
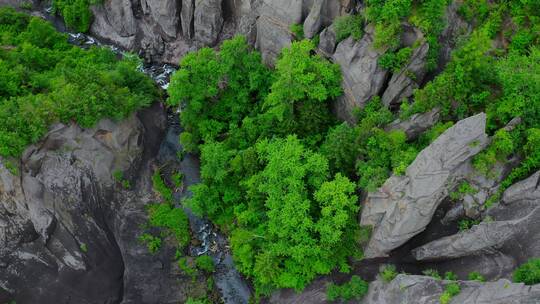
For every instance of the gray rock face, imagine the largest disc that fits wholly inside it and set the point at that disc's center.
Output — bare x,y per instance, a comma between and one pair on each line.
208,21
68,232
514,221
403,84
163,13
114,21
328,41
412,289
273,26
188,9
313,22
405,205
363,78
416,124
63,183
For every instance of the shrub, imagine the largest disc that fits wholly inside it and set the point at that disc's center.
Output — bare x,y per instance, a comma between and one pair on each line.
451,290
356,288
450,276
172,219
528,273
152,243
396,61
161,188
206,263
476,276
298,31
466,224
349,26
432,273
388,273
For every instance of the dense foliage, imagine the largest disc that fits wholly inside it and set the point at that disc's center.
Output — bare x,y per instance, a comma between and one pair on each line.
76,13
290,216
46,80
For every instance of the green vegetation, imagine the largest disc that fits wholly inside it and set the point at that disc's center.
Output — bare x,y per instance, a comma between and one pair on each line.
356,288
450,276
153,243
298,31
160,187
432,273
84,248
466,224
76,13
188,266
395,61
119,178
349,26
501,82
389,273
451,290
528,273
205,263
463,189
173,220
46,80
476,276
290,216
198,301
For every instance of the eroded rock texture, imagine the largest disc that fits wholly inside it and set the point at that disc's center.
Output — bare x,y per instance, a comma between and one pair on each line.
412,289
68,232
508,238
405,205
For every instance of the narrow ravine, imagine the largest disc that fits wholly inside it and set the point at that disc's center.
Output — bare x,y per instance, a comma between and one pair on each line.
210,241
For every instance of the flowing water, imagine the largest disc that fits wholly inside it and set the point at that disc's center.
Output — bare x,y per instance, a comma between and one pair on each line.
232,287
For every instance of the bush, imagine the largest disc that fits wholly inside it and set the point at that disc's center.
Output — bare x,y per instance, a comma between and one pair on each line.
396,61
76,13
298,31
476,276
432,273
356,288
450,276
172,219
161,188
152,243
206,263
528,273
451,290
388,273
349,26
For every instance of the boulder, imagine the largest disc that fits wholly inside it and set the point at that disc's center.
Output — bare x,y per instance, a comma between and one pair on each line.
313,22
208,21
416,124
363,78
405,205
413,289
514,221
328,41
409,78
114,21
